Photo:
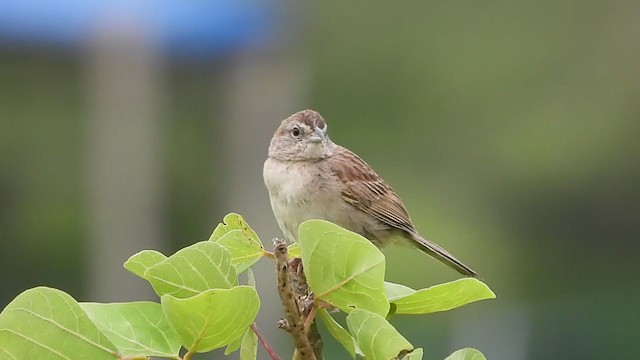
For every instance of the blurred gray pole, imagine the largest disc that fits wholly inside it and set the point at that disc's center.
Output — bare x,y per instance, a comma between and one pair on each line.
123,166
261,88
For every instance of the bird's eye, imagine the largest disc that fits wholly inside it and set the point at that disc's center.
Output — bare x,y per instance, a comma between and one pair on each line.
295,131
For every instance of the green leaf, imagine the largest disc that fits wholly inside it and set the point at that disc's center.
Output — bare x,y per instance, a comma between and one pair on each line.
249,349
242,242
416,354
343,268
135,328
235,344
142,261
212,319
45,323
192,270
466,354
396,291
293,250
338,332
244,342
443,297
251,279
377,339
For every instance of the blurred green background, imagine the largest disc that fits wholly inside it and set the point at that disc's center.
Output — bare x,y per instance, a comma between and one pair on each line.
508,128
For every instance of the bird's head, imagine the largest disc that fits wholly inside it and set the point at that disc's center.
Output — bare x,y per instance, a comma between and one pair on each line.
301,136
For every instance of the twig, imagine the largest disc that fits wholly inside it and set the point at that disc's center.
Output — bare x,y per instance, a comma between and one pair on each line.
272,354
294,324
307,305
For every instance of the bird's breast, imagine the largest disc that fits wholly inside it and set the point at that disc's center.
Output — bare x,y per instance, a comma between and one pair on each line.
288,181
301,191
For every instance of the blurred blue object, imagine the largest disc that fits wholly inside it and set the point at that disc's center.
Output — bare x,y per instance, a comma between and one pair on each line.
184,28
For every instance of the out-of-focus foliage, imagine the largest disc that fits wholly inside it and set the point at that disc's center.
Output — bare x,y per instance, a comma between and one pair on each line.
506,127
508,130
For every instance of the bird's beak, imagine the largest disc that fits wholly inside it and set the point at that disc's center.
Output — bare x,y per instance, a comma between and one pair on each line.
317,136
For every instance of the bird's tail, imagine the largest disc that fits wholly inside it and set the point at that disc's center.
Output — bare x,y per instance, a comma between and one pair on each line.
443,256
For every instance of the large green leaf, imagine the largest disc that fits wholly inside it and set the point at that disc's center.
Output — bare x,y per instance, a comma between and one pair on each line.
142,261
192,270
466,354
442,297
44,323
377,339
242,242
212,319
136,328
338,332
343,268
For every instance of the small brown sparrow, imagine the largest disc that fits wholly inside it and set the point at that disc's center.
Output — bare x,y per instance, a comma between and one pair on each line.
310,177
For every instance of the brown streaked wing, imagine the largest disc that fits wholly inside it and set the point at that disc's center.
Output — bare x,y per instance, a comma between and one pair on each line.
366,191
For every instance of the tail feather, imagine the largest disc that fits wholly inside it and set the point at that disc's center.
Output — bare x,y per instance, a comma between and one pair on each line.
443,256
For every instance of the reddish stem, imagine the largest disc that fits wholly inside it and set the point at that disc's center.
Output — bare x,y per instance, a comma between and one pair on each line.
264,342
309,320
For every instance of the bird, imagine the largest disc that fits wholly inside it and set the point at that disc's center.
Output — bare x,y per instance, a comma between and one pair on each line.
308,176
